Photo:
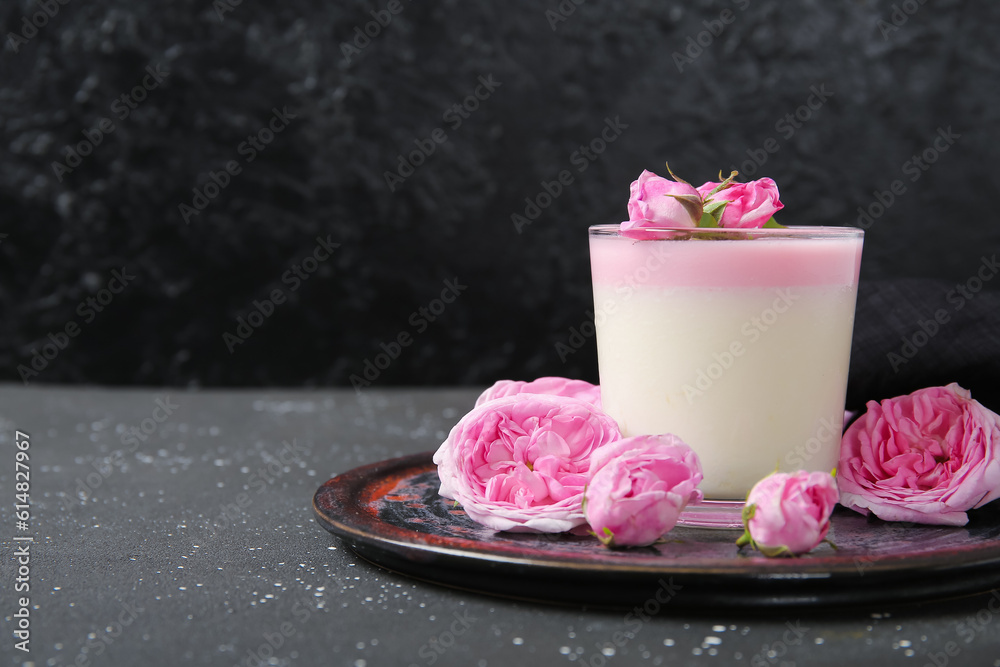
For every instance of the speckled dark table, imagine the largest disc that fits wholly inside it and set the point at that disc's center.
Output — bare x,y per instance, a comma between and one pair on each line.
192,540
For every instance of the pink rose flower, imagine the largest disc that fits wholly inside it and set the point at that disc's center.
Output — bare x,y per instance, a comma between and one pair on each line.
519,463
554,386
928,457
638,487
650,204
788,514
750,204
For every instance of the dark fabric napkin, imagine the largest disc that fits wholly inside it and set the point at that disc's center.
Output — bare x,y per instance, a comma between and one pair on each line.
916,333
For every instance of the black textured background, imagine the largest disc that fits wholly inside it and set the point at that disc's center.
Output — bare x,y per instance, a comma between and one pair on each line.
324,175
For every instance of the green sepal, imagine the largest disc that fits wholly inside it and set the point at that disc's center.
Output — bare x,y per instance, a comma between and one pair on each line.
744,539
773,224
708,222
775,552
674,176
608,539
712,206
726,182
713,213
691,203
746,515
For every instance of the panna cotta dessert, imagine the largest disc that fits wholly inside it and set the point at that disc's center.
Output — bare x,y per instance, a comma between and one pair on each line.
736,340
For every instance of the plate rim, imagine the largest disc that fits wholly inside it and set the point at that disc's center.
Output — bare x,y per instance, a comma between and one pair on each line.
787,573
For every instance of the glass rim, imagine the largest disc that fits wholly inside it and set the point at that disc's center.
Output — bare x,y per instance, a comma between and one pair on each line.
738,233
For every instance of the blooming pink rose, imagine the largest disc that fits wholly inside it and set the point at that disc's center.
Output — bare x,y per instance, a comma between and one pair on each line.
554,386
638,487
788,514
519,463
928,457
750,204
650,204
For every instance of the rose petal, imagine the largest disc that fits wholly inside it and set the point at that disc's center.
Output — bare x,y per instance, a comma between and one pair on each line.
520,462
927,457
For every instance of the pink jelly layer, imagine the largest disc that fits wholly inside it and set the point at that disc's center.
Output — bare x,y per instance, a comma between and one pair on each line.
758,262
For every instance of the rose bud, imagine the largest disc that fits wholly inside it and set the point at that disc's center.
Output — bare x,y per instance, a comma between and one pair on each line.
788,514
750,204
655,201
638,488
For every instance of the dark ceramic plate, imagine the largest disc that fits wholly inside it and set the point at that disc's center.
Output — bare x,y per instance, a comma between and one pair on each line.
390,514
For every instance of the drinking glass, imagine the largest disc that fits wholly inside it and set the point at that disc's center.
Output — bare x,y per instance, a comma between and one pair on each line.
736,340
